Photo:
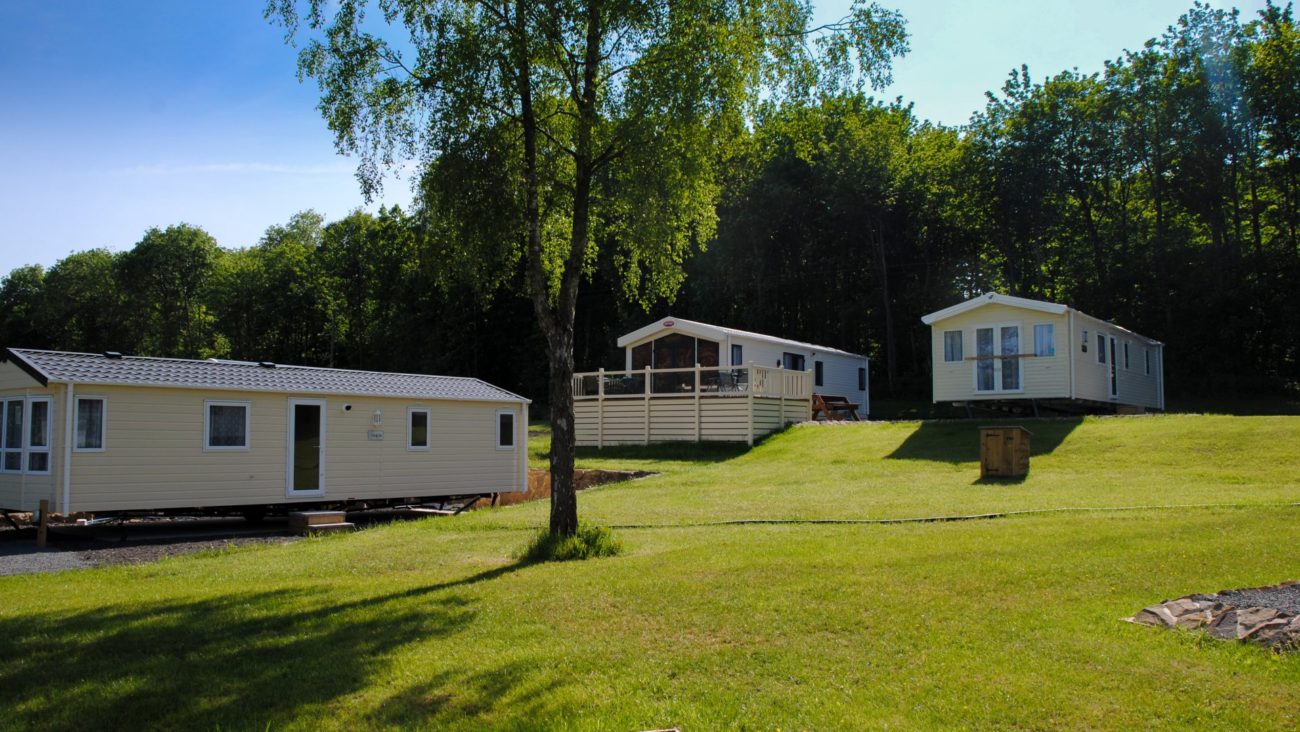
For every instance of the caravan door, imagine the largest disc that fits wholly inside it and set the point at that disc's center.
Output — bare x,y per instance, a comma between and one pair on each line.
305,471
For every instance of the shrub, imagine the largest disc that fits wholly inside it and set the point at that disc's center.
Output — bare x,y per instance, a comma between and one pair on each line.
590,541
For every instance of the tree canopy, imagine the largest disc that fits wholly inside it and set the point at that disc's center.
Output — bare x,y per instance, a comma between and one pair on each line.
600,126
1160,193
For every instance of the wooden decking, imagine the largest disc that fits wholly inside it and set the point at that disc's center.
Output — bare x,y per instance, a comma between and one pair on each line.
688,405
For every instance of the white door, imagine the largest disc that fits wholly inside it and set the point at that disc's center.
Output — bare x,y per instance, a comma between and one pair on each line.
997,362
305,471
1009,374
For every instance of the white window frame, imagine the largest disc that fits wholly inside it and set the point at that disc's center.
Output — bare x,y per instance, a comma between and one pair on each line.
410,428
961,346
25,450
997,358
1101,348
4,435
207,425
1051,344
103,422
48,449
514,429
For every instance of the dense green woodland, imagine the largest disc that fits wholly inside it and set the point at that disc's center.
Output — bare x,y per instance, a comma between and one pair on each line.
1163,193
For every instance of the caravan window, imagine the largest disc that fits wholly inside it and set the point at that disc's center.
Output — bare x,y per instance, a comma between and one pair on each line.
862,379
505,430
952,346
90,424
26,440
38,436
817,373
737,354
1148,356
1101,348
417,429
13,437
793,361
1045,339
225,425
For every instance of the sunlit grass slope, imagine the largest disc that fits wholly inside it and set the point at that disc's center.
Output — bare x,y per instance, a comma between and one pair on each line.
994,624
905,469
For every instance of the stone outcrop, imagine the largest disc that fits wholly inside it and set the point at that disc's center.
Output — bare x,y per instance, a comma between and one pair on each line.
1273,627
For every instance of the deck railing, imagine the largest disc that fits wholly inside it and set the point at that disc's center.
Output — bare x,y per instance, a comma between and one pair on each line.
702,381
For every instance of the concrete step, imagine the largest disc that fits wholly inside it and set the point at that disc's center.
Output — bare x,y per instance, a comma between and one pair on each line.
303,519
327,528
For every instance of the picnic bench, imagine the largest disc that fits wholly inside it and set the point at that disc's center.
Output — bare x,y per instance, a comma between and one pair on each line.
829,406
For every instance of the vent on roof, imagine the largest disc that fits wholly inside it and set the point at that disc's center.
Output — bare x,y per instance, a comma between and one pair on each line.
266,364
115,355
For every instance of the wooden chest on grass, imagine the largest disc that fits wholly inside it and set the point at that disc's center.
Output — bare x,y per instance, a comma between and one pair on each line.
1004,452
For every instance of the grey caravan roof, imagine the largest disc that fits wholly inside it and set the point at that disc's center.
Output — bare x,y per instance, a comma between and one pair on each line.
217,374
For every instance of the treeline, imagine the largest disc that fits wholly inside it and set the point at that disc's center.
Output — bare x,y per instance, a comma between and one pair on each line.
366,291
1163,193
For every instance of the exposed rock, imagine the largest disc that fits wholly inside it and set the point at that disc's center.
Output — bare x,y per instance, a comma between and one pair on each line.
1224,627
1253,620
1157,615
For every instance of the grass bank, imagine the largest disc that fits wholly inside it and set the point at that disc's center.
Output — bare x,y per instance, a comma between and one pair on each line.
989,624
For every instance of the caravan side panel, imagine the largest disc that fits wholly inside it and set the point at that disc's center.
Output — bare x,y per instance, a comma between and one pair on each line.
1043,377
840,372
154,455
1092,376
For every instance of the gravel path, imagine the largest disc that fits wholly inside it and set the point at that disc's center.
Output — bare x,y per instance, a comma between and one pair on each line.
19,555
1286,597
22,557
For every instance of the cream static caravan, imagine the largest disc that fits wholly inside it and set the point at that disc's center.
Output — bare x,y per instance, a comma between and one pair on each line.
1001,348
679,343
106,433
695,382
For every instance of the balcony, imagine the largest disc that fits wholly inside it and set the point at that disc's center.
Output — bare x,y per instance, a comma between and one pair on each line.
702,403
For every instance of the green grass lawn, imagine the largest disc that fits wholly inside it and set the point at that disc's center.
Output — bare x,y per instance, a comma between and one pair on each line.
994,624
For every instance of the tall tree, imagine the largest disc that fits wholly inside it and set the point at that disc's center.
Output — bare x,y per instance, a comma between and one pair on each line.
165,278
82,304
20,302
608,115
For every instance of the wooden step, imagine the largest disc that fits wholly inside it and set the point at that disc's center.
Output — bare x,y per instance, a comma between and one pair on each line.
327,528
303,519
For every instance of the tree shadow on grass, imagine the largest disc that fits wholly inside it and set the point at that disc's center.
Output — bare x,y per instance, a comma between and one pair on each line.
958,441
237,660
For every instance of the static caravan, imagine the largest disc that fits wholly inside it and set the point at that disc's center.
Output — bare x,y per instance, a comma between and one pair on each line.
693,382
106,433
678,343
1001,348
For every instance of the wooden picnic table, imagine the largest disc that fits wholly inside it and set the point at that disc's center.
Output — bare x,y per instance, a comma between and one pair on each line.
830,405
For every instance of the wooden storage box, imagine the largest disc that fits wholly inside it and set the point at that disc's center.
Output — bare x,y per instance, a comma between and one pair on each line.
1004,452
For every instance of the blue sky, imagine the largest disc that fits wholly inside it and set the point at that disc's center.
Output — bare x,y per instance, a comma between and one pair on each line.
122,115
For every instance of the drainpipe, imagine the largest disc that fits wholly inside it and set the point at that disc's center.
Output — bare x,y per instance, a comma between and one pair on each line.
68,437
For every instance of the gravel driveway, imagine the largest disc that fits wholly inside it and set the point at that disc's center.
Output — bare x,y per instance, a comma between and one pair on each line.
76,547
